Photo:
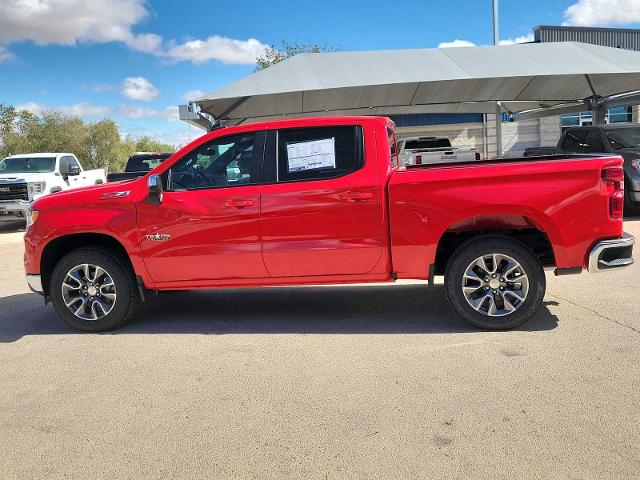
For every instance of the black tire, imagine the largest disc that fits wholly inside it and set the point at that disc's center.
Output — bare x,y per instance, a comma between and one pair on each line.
486,245
630,207
123,278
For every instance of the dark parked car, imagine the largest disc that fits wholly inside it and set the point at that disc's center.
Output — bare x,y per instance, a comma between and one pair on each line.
138,165
616,139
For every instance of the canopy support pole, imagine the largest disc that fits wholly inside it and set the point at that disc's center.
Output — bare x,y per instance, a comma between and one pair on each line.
599,114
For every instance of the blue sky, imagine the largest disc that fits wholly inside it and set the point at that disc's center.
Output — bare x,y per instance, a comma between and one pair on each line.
135,60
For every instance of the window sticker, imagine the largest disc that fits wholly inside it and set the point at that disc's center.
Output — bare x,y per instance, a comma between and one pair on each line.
311,155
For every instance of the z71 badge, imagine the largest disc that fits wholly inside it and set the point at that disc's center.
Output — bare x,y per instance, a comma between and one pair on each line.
120,194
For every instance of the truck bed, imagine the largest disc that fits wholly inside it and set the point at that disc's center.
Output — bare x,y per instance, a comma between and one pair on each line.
549,194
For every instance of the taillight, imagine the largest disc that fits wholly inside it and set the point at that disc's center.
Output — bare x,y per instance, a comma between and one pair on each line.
615,176
616,204
418,159
477,156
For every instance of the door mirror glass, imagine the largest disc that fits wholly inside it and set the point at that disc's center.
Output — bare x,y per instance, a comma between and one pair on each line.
154,186
74,170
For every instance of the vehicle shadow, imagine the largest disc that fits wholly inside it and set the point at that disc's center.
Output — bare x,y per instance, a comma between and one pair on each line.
12,226
392,309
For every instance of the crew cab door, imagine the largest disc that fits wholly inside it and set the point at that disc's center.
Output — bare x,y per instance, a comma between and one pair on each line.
207,225
321,202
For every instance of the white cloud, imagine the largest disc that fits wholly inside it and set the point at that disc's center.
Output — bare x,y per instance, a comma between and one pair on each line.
136,111
223,49
456,43
508,41
178,137
139,88
146,43
80,109
5,55
70,22
591,13
521,39
171,114
192,95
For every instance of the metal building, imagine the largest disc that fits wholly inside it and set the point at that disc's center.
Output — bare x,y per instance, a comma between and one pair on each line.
625,38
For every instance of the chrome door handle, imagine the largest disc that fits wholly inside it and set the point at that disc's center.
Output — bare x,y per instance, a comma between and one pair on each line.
356,196
237,203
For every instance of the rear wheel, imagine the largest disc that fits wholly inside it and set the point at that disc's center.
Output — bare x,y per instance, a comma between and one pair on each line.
494,282
93,290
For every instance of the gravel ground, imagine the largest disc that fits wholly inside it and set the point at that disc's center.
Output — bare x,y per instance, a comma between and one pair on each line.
322,382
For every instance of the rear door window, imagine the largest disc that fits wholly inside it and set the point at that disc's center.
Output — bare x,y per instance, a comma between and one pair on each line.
318,153
573,141
593,143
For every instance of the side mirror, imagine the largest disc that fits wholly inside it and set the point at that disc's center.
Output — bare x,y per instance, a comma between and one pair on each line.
69,170
154,186
73,170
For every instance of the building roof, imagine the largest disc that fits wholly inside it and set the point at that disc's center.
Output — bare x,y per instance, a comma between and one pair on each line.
453,80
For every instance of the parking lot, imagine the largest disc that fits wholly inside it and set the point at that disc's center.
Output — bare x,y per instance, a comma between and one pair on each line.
322,382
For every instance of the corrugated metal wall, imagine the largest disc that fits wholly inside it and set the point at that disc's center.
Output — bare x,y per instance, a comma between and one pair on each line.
419,119
608,37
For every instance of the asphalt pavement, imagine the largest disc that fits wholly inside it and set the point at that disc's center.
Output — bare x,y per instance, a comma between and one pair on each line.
322,382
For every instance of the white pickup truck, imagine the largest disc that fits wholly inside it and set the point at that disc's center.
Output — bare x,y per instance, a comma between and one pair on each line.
25,178
431,150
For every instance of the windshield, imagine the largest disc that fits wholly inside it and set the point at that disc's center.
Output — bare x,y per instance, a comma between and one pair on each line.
28,165
624,138
145,163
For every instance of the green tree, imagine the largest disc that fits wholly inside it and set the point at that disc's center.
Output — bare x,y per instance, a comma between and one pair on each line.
275,55
147,144
97,145
102,145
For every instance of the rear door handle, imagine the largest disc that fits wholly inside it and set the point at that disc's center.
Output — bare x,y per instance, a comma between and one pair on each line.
356,196
239,203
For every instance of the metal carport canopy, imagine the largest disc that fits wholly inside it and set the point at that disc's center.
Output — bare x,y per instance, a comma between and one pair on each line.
466,79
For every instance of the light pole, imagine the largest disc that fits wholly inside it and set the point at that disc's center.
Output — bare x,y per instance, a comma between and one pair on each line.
496,37
496,41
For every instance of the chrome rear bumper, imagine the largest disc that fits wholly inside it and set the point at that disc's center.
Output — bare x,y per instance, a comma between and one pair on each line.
613,253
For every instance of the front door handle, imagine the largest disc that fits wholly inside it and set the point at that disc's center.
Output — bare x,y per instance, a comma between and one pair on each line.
239,203
356,196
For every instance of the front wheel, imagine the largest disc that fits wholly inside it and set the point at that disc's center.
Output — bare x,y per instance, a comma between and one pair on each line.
494,282
93,290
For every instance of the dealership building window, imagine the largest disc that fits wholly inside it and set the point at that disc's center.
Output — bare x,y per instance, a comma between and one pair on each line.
613,115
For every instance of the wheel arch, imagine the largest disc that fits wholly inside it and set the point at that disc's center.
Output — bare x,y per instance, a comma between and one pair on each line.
520,227
59,247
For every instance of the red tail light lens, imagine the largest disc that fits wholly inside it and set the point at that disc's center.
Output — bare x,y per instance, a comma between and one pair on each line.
616,204
615,176
418,159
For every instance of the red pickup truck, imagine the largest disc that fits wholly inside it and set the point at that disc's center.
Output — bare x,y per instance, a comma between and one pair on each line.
322,201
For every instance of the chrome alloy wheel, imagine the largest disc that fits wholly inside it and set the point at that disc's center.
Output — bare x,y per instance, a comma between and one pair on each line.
495,285
88,292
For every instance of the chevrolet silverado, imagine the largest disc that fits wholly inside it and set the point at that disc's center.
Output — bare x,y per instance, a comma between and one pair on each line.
323,201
